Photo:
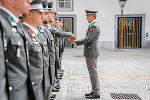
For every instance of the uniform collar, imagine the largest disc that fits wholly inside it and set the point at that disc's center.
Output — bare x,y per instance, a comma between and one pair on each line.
11,14
41,28
92,22
32,28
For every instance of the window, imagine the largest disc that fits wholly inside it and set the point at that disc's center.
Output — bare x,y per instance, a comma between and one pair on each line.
64,5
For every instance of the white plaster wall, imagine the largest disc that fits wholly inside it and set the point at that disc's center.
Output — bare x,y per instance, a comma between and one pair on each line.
107,9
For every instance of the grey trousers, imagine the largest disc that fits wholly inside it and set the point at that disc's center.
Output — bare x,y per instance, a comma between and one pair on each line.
92,68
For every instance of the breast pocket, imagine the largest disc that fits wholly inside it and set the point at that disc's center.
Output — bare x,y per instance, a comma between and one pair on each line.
14,87
16,46
36,54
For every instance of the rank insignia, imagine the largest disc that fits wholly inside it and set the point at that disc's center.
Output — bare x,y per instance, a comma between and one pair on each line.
31,32
92,29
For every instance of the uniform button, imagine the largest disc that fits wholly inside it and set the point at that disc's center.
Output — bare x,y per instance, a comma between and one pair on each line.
27,42
28,63
39,50
14,30
5,49
10,88
33,83
6,60
19,43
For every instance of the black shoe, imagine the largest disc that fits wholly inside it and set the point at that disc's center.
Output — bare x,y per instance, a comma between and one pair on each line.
51,99
57,87
87,94
93,96
55,90
53,96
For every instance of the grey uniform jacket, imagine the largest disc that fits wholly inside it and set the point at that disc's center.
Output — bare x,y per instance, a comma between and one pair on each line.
47,79
15,58
51,48
91,41
35,49
3,78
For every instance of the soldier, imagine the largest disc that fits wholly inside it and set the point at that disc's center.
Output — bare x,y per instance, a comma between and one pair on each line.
91,52
44,36
13,49
50,40
56,33
36,49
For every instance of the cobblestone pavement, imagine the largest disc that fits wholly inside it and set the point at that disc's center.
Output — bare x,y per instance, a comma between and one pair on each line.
120,71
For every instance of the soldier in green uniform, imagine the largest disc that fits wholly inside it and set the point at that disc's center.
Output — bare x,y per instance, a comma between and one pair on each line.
91,52
13,51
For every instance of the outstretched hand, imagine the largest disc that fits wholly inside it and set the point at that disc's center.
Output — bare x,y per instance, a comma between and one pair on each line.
72,39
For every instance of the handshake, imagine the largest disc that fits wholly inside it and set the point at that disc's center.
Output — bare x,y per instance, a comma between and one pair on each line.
72,39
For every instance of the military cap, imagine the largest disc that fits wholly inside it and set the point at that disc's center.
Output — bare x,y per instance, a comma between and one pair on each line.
45,6
59,19
88,12
37,5
50,6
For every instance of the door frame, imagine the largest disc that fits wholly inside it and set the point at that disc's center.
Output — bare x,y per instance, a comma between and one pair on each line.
143,41
74,21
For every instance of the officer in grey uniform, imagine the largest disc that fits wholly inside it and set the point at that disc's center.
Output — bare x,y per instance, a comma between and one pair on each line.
91,52
14,50
35,48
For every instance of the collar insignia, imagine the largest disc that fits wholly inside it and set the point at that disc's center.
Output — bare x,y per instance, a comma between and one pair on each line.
31,32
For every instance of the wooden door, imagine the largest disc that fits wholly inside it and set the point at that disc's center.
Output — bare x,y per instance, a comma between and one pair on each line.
131,37
68,27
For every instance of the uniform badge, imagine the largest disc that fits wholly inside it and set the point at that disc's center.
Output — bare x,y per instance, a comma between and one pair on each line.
31,33
45,45
14,29
52,43
35,41
92,29
13,23
45,48
18,52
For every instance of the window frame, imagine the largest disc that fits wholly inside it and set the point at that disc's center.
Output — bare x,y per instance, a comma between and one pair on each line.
64,9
